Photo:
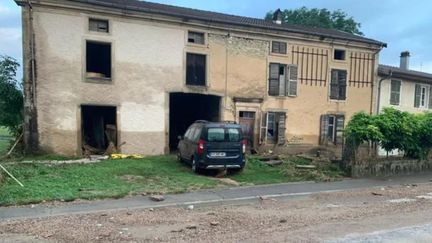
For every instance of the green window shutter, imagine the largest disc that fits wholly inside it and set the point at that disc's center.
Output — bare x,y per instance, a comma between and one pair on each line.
430,97
417,95
274,79
395,92
292,81
323,129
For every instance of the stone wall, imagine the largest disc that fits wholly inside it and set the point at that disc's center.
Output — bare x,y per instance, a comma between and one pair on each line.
389,167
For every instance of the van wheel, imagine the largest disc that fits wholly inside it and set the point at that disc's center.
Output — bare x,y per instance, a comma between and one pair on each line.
195,168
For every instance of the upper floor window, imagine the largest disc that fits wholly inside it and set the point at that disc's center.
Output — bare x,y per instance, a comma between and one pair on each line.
338,84
196,69
196,37
99,25
279,47
395,91
423,96
339,54
98,60
282,80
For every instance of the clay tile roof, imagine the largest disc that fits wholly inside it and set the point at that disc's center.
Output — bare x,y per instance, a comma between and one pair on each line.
396,72
208,16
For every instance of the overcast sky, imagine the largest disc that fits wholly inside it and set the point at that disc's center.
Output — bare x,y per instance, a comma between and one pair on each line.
403,25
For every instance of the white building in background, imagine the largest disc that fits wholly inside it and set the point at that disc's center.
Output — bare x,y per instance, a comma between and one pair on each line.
403,89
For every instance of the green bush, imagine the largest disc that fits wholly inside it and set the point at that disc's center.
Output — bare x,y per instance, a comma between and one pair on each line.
393,129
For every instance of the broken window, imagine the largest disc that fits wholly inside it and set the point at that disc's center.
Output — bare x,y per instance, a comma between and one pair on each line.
279,47
339,54
99,25
98,60
196,69
338,84
273,127
332,129
283,80
423,97
395,90
98,129
196,37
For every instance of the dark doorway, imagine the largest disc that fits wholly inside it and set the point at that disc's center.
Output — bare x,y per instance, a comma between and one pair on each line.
98,127
186,108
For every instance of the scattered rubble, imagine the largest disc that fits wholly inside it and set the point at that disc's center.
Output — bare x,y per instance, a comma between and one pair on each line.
192,226
273,162
214,223
157,198
229,181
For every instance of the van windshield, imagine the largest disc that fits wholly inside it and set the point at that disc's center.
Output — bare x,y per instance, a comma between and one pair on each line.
220,134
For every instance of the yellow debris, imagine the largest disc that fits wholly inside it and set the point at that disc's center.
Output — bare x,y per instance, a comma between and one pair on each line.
126,156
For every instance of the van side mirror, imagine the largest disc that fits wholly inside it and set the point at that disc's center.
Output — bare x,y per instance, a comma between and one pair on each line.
179,137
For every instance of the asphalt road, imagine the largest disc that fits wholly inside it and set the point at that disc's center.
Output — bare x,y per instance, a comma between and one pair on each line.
367,210
230,196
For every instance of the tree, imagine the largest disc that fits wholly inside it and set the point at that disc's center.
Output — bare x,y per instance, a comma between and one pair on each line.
11,97
319,18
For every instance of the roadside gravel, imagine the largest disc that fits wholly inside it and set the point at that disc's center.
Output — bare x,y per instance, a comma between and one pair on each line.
323,216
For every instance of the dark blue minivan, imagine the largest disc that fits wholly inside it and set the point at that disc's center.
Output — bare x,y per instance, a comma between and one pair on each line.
213,145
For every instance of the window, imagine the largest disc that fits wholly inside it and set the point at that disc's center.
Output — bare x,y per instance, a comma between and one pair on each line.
196,37
195,134
196,69
282,80
279,47
273,127
99,25
247,114
338,84
339,54
223,135
395,90
423,97
98,60
332,129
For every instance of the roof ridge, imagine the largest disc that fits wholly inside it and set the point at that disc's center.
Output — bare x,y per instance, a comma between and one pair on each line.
228,19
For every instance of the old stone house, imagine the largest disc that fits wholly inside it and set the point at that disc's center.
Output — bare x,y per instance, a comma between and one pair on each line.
138,73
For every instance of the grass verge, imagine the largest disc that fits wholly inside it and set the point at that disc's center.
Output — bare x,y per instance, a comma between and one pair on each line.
118,178
4,140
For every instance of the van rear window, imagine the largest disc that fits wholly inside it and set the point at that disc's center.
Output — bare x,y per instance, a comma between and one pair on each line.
223,134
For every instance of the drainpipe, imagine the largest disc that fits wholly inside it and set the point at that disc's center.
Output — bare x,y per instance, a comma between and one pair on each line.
32,54
379,89
30,113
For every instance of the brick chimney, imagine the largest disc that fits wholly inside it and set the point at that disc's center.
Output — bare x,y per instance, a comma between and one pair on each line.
404,60
277,16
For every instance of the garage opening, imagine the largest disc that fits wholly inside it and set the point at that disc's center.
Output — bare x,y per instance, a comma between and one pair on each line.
98,128
186,108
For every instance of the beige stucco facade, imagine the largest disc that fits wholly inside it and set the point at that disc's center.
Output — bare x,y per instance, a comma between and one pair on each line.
149,63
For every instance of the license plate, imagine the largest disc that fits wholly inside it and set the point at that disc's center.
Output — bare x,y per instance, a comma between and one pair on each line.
218,154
